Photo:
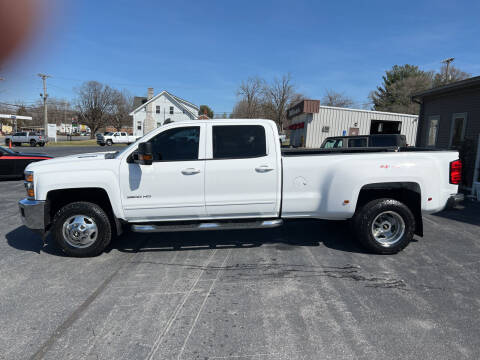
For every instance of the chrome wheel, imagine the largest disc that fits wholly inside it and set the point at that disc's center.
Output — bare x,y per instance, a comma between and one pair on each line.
388,228
80,231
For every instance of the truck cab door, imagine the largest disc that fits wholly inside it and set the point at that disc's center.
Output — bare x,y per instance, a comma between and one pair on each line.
242,171
173,187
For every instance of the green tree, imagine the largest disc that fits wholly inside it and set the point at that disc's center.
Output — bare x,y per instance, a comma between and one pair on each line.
205,110
399,84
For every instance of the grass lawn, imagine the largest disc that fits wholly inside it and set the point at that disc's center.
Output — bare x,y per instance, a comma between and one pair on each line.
91,142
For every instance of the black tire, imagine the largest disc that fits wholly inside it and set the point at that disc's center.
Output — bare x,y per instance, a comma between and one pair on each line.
109,142
42,144
384,209
7,142
93,212
33,143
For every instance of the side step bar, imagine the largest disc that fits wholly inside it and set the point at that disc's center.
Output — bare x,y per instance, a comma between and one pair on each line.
172,227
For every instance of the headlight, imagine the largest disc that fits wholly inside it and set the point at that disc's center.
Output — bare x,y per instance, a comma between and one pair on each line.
29,176
29,184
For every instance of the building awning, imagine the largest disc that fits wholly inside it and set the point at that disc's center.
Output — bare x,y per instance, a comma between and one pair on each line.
297,126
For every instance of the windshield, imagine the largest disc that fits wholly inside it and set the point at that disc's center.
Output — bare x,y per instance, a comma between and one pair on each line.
116,154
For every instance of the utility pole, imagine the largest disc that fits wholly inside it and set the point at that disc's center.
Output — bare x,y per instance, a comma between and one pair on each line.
447,62
44,96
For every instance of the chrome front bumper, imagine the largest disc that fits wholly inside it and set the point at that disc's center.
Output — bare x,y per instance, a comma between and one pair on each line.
32,213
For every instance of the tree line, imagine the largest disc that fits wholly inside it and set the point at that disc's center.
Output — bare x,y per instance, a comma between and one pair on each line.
258,98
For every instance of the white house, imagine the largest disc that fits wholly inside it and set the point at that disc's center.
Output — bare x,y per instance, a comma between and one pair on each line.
154,110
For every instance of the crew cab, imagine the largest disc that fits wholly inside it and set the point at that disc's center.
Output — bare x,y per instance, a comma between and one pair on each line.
118,137
232,174
25,137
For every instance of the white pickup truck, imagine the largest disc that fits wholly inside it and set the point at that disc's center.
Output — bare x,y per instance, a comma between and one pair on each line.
25,137
232,174
118,137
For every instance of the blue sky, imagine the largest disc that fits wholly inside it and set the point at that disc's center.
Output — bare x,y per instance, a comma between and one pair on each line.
202,50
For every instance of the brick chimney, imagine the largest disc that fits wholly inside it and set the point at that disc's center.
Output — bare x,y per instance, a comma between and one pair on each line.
149,123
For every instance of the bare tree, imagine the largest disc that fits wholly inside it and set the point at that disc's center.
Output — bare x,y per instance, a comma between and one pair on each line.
333,98
94,103
251,93
121,107
278,97
454,74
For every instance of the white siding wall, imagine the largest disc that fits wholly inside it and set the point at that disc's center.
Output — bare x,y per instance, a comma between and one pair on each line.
164,103
339,119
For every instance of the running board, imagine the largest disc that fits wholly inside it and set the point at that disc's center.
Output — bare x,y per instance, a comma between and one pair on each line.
172,227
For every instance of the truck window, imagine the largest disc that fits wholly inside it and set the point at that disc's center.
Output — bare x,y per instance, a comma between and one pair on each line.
358,142
238,141
383,141
179,144
333,143
123,134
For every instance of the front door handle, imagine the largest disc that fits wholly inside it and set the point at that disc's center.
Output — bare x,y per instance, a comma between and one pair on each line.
263,168
190,171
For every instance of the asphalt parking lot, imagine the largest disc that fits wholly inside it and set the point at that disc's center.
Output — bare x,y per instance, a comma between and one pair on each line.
305,291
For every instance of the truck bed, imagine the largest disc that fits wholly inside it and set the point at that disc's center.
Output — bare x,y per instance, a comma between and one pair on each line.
359,150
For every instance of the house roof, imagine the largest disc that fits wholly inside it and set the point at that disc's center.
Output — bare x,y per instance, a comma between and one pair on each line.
458,85
140,101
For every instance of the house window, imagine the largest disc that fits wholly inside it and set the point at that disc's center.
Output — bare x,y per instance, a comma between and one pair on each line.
139,125
157,109
432,130
457,131
171,110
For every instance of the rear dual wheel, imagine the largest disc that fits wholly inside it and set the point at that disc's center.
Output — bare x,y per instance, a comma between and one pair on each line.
384,226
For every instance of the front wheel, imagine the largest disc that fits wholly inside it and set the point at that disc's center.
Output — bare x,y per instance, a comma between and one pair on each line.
82,229
42,144
384,226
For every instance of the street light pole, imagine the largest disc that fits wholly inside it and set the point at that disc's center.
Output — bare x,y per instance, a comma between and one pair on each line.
447,62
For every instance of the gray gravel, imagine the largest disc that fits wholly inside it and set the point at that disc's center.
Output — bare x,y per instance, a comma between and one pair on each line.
305,291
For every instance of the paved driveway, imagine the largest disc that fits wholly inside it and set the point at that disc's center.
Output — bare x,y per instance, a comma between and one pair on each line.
305,291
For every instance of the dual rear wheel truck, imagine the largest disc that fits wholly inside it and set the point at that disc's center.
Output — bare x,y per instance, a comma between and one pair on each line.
233,174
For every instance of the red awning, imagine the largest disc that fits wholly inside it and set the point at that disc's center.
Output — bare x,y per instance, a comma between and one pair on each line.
297,126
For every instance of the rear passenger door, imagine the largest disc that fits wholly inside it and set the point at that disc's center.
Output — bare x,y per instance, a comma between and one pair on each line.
242,171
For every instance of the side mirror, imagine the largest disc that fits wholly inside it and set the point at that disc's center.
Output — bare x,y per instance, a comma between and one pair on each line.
145,154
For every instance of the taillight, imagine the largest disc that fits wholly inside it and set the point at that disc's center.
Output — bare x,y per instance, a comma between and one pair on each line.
456,172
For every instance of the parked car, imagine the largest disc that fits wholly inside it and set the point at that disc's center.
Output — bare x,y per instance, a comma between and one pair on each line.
25,137
115,138
224,174
13,163
379,140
